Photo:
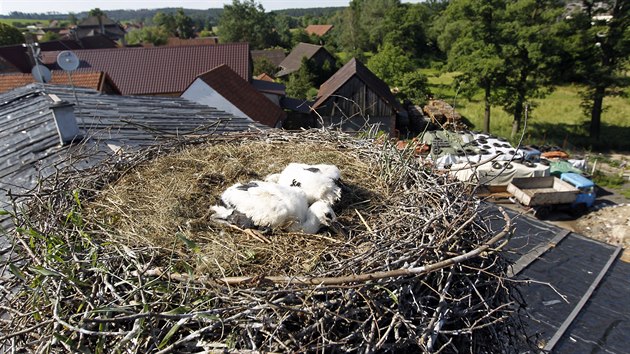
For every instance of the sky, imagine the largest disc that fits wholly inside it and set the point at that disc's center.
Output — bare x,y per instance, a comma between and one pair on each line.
75,6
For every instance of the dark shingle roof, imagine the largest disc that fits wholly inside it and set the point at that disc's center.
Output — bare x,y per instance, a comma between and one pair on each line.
293,61
275,56
348,71
243,95
160,70
16,54
29,143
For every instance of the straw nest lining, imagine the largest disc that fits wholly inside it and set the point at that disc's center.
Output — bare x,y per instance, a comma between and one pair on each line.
138,264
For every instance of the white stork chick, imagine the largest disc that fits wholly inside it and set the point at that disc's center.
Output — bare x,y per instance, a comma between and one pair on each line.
319,182
270,205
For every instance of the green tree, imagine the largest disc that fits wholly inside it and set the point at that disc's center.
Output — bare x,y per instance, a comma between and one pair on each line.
264,65
404,27
600,48
282,25
414,86
155,35
72,18
96,12
299,36
471,37
531,47
247,22
50,36
10,35
300,82
184,25
390,64
166,21
351,36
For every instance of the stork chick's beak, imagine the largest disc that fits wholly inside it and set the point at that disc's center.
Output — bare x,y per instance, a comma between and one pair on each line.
337,228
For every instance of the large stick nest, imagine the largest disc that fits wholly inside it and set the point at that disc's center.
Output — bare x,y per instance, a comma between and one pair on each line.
125,257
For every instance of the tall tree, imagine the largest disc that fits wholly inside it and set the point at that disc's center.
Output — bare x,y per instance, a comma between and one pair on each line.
601,48
247,22
184,25
470,35
390,64
531,49
10,35
155,35
72,18
166,21
351,36
405,27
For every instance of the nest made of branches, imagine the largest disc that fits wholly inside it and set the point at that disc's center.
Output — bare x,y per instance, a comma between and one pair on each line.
125,257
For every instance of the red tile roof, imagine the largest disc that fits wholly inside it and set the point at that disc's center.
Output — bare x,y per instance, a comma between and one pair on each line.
343,75
89,79
318,30
264,77
160,70
243,95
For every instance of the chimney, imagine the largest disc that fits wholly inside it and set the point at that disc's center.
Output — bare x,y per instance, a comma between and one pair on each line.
66,123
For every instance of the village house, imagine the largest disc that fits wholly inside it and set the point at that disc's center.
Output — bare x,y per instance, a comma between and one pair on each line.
317,53
224,89
318,30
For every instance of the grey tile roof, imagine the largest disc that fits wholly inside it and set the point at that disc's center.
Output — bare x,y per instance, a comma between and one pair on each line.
30,146
293,61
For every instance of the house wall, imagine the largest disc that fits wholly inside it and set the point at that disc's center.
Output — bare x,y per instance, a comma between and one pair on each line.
355,105
272,97
201,93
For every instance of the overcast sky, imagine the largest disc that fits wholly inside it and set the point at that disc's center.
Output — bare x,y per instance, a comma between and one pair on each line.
66,6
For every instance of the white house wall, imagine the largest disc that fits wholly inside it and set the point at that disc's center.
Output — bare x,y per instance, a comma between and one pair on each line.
201,93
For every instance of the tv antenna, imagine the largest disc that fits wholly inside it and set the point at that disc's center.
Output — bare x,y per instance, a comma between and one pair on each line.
69,62
41,73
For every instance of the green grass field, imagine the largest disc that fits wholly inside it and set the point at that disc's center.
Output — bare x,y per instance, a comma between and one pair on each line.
23,22
557,119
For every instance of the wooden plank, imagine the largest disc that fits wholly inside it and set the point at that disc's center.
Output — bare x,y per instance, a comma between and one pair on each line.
576,310
535,253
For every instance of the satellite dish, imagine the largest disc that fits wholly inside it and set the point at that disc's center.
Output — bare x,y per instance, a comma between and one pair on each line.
41,73
67,60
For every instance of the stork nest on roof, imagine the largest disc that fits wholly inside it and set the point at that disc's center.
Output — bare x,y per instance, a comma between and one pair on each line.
126,257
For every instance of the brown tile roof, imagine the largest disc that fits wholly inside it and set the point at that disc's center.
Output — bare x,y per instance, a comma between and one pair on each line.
160,70
174,41
318,30
343,75
293,61
264,77
243,95
94,80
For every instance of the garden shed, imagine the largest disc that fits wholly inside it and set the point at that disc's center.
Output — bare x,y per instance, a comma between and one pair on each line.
354,98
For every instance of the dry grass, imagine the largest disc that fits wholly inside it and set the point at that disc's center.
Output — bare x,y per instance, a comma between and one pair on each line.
166,204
